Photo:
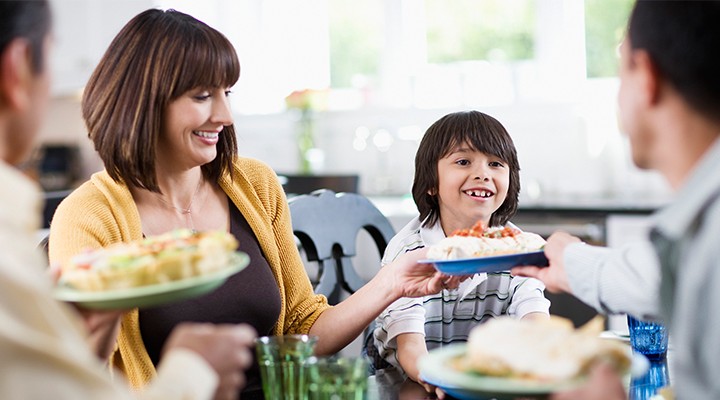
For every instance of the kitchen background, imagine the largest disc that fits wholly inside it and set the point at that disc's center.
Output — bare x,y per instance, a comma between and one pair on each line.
370,77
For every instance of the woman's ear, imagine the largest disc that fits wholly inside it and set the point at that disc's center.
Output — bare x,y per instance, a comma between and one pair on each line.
16,75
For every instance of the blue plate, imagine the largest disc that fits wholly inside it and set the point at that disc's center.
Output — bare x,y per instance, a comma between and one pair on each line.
469,266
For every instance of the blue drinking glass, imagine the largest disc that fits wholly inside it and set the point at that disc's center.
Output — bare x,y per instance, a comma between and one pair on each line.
648,338
646,386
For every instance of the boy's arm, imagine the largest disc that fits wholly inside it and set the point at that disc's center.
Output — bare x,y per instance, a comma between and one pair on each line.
410,347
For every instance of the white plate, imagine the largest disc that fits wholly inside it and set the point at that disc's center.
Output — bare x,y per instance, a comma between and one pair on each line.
153,295
435,369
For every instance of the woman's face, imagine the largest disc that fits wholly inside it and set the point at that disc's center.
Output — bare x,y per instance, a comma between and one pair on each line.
191,128
471,186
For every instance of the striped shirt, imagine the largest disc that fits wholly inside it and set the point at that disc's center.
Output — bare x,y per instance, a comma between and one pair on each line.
449,316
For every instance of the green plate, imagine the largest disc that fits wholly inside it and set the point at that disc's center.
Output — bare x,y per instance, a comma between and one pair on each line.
153,295
436,370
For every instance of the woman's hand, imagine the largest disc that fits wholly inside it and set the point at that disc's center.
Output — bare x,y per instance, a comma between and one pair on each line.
412,279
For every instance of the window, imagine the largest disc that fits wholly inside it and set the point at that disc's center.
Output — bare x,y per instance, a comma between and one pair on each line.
356,41
417,53
464,30
605,22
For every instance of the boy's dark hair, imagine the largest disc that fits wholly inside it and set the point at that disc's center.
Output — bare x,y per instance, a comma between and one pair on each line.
26,19
482,133
156,58
681,38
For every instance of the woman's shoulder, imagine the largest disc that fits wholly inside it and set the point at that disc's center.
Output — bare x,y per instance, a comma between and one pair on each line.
252,166
253,171
90,190
99,194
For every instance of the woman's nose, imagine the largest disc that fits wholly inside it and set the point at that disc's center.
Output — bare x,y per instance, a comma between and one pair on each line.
221,112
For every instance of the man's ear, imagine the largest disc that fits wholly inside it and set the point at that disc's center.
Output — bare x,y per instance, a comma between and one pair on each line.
16,74
648,75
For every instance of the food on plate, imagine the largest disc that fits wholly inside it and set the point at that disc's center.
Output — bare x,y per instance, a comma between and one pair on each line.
542,350
163,258
481,242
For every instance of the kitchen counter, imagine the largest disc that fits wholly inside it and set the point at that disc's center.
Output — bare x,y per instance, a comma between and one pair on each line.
585,217
404,205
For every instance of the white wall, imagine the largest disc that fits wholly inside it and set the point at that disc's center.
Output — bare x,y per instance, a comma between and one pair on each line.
563,150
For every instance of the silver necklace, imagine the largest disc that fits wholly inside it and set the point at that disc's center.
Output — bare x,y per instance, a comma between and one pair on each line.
187,212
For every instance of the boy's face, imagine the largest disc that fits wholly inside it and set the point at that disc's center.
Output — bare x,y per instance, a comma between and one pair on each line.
471,186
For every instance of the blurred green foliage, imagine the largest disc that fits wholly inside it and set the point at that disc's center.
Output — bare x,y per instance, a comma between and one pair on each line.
605,22
497,30
356,40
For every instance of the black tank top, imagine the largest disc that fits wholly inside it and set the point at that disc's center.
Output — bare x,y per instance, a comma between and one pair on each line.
251,296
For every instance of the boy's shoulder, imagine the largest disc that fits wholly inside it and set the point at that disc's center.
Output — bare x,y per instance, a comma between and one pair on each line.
407,238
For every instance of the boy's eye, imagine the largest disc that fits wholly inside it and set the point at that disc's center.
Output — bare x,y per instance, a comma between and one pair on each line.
227,93
496,164
462,162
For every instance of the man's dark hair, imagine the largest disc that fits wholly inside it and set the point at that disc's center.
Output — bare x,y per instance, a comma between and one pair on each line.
29,20
682,39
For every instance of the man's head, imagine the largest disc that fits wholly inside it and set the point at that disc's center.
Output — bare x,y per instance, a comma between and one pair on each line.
669,64
24,75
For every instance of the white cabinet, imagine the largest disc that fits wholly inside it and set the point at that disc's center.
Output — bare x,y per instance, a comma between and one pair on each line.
83,29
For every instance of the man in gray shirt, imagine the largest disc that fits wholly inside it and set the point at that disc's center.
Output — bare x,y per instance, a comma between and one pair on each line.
669,106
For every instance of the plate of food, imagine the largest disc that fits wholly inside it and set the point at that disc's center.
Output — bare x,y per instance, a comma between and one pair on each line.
469,266
155,270
478,249
506,358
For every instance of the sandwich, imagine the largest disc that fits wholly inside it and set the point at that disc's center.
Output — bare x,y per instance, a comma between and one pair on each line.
172,256
540,350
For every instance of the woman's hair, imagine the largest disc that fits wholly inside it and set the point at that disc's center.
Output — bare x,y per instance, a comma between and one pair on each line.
157,57
30,20
482,133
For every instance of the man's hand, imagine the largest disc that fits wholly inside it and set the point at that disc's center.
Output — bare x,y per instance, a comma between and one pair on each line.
604,384
227,348
553,276
103,328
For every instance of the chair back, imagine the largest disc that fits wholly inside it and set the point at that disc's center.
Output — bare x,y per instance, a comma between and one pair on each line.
327,225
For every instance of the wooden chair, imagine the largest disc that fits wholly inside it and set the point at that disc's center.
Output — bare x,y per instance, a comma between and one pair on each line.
327,225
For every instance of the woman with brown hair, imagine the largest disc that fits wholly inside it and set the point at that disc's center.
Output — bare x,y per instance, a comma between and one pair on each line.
157,110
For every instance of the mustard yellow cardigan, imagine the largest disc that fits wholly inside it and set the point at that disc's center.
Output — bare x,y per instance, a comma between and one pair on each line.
102,211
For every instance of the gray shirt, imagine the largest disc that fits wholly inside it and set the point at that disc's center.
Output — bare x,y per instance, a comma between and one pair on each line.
674,276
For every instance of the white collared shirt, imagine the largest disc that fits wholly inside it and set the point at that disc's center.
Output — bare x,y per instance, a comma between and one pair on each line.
449,316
